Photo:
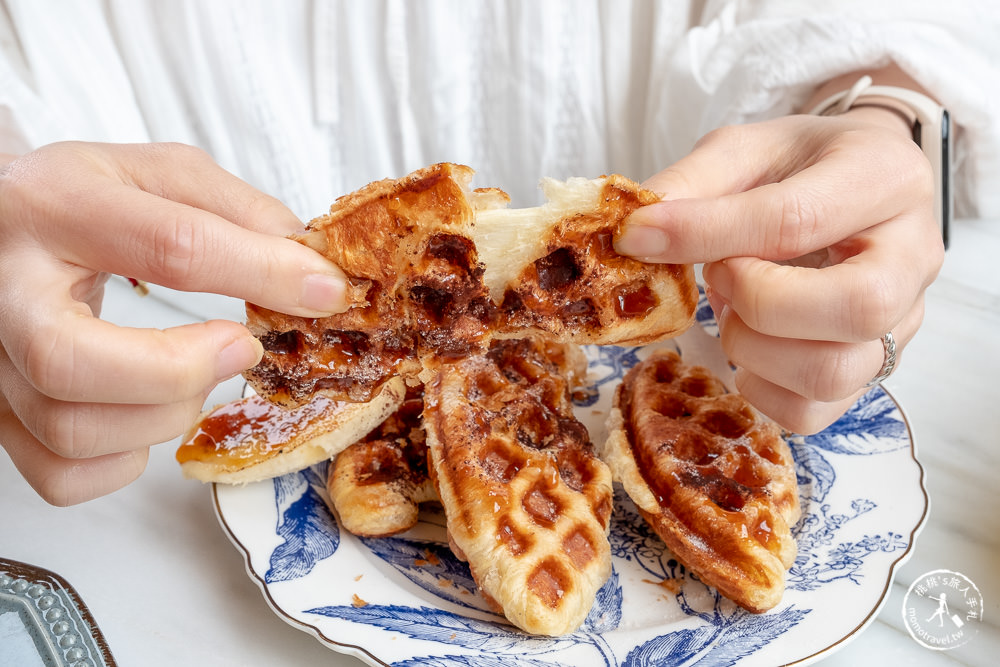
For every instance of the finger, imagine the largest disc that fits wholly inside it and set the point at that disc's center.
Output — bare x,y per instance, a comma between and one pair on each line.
817,370
872,284
105,224
67,354
189,249
89,360
88,430
726,160
849,187
61,481
720,163
189,175
75,430
740,157
90,291
790,410
184,174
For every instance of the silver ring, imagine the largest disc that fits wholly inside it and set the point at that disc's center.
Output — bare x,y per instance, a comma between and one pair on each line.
889,365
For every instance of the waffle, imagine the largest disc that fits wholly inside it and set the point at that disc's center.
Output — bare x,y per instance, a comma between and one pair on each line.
377,484
553,269
711,476
416,287
526,500
253,439
437,271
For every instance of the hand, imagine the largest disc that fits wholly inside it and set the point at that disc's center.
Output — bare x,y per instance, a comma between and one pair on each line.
818,236
81,400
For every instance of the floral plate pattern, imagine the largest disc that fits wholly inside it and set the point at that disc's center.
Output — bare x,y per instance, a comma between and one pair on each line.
407,601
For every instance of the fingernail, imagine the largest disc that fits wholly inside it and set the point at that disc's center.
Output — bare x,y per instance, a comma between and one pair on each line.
323,293
714,301
719,278
642,241
243,353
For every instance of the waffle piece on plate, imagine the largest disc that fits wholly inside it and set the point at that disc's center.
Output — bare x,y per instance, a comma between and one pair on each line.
713,477
253,439
527,502
437,270
377,485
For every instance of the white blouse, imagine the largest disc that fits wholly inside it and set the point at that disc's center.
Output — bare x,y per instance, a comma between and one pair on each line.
308,100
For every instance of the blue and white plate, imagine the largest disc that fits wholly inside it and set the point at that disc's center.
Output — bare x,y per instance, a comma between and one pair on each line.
407,600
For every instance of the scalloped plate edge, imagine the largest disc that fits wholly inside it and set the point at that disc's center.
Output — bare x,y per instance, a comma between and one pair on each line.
348,649
893,567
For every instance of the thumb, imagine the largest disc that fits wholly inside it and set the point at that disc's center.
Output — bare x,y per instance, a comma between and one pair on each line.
695,176
726,161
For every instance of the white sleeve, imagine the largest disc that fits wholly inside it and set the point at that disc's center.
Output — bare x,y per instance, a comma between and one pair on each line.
62,78
754,59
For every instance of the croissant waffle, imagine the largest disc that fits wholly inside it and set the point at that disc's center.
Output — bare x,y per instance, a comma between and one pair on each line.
438,270
527,502
711,476
377,485
253,439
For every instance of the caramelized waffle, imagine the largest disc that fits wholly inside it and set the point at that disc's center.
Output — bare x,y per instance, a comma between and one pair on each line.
253,439
711,476
527,502
437,271
416,287
553,269
377,484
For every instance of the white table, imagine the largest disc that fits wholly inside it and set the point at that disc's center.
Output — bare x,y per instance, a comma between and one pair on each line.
166,586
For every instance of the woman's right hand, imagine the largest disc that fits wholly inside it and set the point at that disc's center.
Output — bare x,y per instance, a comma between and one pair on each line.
81,400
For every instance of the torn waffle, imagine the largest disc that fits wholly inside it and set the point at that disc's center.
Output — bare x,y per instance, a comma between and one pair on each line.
711,476
553,269
437,270
253,439
377,484
527,502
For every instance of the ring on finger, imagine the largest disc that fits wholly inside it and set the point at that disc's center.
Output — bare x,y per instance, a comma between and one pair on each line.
889,363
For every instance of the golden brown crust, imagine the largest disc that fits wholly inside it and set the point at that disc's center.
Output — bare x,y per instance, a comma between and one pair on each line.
406,244
377,484
253,439
713,477
437,271
527,502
